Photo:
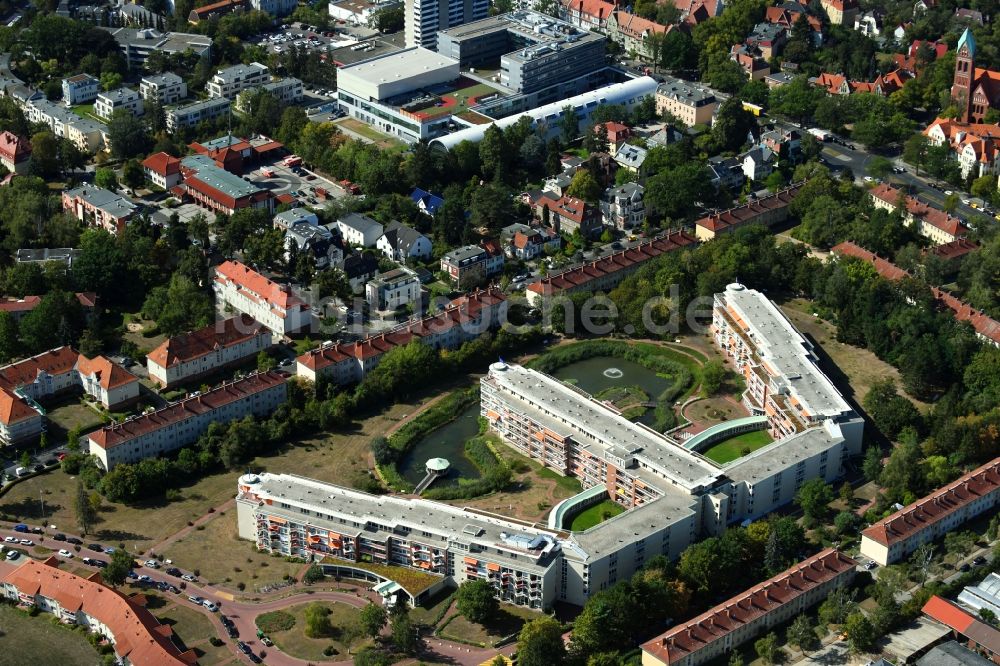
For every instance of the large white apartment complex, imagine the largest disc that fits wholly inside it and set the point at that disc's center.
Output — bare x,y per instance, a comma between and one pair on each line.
189,356
231,81
181,423
190,115
80,89
273,305
674,496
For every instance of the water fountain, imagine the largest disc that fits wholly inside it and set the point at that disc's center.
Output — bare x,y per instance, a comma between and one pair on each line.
613,373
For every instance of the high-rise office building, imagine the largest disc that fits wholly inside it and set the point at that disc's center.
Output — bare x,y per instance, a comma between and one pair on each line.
424,18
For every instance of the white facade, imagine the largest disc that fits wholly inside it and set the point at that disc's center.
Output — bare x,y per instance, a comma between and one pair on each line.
186,357
113,100
86,134
395,289
231,81
166,88
625,208
286,91
276,8
359,230
424,18
192,114
249,292
182,423
80,89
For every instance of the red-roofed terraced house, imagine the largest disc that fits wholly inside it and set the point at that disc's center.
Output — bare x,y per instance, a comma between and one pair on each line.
987,329
751,613
189,356
895,537
607,273
138,638
465,318
272,304
183,422
768,210
51,373
932,223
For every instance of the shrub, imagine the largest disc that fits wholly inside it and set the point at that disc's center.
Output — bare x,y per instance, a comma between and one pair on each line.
275,621
241,586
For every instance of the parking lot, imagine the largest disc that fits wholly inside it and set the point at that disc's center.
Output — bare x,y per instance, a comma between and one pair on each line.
298,182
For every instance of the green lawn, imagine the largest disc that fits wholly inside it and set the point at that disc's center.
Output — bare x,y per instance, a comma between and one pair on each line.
506,621
22,635
345,633
730,449
595,515
86,111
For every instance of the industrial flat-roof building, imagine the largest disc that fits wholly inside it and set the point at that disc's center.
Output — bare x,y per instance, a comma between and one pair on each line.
537,53
377,91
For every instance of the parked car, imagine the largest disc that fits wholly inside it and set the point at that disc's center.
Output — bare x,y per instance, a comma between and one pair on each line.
172,571
27,542
979,560
152,564
96,547
74,541
244,648
13,554
189,578
10,539
210,605
65,553
109,550
20,527
145,579
196,599
60,537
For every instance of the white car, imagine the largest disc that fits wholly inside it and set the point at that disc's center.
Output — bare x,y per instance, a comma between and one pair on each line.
152,564
210,605
65,553
189,578
10,539
27,542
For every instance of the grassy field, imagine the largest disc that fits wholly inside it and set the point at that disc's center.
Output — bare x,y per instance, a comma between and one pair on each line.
199,549
595,515
194,631
508,620
859,367
732,448
69,413
86,111
336,458
22,635
346,633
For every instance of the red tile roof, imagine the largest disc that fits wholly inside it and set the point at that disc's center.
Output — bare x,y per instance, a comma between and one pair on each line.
163,164
13,147
638,27
139,636
955,249
597,9
109,375
252,281
460,310
580,276
689,637
947,613
935,507
728,220
116,434
53,362
983,324
26,304
223,5
918,209
883,267
14,409
195,344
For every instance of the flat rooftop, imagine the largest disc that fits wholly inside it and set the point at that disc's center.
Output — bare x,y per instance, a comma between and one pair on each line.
783,349
566,409
378,516
400,65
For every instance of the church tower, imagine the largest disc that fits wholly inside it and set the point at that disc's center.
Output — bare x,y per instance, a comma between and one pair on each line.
965,73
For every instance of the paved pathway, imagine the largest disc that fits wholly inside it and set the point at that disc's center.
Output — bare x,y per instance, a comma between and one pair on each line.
244,611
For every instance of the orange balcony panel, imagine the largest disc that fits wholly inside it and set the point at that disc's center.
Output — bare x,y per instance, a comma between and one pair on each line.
490,566
280,521
471,560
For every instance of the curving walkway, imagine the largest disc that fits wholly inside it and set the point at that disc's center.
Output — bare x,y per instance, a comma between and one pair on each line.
244,612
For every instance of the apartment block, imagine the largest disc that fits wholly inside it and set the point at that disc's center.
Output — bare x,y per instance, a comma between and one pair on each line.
114,100
462,320
136,636
394,289
769,210
231,81
300,517
162,169
181,423
276,8
98,207
86,134
466,265
780,368
166,88
80,89
689,102
190,356
751,613
932,223
213,187
357,229
606,273
138,44
57,371
273,305
190,115
286,91
894,538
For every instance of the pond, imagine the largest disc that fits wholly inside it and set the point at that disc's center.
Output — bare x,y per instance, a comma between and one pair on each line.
448,441
596,374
